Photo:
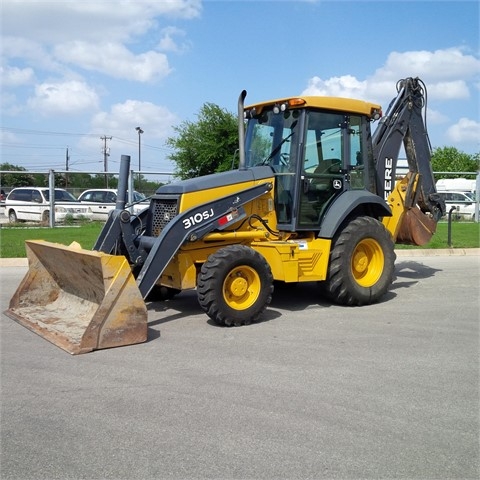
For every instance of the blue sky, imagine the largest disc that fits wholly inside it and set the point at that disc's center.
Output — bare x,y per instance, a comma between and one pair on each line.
73,72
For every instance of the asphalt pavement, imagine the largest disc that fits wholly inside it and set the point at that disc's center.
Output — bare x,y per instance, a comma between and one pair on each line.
315,391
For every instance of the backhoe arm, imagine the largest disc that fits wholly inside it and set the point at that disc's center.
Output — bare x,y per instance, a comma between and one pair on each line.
414,201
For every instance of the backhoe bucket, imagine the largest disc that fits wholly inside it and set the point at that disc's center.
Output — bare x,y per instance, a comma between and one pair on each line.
416,228
80,300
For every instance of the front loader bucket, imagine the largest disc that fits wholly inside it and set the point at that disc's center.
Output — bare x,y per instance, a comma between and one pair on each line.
416,228
80,300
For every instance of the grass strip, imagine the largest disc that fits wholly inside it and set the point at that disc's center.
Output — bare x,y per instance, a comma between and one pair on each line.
12,238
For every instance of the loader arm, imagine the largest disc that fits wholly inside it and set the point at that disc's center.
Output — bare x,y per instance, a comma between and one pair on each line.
420,205
191,225
149,255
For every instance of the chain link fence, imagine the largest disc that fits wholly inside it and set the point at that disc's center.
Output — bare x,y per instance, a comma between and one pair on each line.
147,183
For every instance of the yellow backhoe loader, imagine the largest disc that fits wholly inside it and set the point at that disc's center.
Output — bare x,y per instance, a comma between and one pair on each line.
315,199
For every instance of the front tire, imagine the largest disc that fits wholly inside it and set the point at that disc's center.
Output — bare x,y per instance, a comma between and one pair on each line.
235,286
12,216
362,262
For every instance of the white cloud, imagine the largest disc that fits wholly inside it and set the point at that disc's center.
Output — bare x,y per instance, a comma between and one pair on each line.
9,105
345,86
451,80
435,117
8,137
168,43
52,35
122,119
438,66
117,20
70,97
453,90
30,52
14,76
115,60
448,74
465,130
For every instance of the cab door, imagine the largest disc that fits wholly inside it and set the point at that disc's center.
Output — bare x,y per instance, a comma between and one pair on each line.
333,162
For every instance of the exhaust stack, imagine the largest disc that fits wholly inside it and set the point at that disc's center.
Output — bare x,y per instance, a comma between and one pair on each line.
241,131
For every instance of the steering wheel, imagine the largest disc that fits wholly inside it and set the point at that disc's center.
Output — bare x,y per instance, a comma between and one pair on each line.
284,159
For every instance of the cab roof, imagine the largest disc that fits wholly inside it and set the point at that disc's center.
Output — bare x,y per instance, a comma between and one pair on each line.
339,104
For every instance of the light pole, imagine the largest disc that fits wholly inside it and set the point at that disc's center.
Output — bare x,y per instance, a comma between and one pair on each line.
140,131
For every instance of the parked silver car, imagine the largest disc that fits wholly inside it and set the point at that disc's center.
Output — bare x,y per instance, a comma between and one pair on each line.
102,201
33,204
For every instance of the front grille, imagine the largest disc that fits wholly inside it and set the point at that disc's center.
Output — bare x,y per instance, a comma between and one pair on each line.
163,210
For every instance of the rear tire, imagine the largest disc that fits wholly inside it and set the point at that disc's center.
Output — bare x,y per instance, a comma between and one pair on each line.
235,286
362,262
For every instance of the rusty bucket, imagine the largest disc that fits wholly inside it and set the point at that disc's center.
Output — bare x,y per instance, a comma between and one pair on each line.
416,228
80,300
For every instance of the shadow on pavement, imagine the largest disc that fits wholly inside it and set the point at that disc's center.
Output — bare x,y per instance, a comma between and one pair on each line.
291,297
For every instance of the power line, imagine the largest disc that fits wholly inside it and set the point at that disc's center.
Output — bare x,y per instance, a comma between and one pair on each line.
42,132
39,132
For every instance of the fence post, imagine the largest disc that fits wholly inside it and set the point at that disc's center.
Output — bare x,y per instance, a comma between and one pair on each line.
51,189
477,197
449,235
130,190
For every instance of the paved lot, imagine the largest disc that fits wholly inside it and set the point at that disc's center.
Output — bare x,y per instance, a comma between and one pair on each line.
316,391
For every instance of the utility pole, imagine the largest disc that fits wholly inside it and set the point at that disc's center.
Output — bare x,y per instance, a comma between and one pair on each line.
66,168
106,154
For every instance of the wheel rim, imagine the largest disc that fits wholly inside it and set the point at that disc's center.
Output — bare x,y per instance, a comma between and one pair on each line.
241,287
367,262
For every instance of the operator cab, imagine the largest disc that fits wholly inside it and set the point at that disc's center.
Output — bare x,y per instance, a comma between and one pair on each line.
316,153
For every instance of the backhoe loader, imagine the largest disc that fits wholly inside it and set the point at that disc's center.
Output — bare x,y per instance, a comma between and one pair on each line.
315,199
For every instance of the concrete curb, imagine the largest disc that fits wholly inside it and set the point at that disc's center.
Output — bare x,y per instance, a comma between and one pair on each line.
436,252
13,262
23,262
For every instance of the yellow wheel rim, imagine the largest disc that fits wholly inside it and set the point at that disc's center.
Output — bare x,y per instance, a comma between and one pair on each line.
367,262
241,288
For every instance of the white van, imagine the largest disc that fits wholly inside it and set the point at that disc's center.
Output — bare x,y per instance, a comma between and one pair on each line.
464,203
456,185
33,204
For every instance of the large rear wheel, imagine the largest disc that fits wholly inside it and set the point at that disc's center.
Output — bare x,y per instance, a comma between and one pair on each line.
235,286
361,263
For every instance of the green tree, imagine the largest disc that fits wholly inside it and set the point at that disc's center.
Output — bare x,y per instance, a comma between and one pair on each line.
15,179
206,146
449,159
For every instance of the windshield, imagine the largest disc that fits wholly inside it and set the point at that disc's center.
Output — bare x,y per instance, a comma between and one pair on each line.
60,195
270,140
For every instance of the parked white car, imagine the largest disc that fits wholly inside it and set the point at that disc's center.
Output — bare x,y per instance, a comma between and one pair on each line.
33,204
464,203
103,200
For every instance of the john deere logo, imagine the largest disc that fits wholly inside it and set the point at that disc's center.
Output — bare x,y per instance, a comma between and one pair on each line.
337,184
166,217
